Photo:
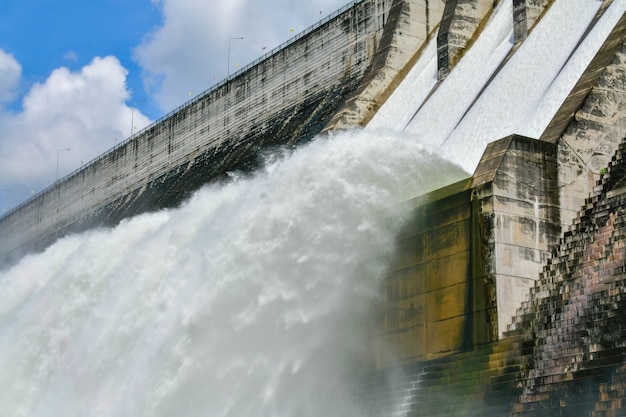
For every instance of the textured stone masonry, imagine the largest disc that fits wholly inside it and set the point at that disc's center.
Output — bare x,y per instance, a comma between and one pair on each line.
574,318
525,14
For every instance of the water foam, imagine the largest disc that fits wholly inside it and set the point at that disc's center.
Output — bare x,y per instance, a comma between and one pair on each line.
251,299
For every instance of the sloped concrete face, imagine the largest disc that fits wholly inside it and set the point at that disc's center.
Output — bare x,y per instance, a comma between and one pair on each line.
335,76
591,123
591,139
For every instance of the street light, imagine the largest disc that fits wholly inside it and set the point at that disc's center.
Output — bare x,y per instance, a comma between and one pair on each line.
132,114
58,155
228,70
5,190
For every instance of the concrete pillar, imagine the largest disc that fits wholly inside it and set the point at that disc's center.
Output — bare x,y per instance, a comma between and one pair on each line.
460,24
525,15
520,25
515,185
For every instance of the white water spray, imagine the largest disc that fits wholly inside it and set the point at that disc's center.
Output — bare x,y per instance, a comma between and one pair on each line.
250,300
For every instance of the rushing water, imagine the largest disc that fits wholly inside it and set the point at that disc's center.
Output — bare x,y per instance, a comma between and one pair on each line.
249,300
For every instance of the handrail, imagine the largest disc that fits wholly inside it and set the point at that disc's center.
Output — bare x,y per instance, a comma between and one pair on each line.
188,103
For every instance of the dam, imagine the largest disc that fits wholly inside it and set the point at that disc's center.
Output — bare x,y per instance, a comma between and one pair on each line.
503,273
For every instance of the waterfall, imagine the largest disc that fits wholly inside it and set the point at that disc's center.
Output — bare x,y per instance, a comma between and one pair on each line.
251,299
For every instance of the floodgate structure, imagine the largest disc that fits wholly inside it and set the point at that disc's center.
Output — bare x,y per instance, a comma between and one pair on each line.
507,295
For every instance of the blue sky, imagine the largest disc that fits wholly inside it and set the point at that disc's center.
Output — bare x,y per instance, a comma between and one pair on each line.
43,35
83,74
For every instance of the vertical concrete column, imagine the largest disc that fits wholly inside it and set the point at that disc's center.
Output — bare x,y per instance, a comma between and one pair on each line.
516,186
460,24
525,15
520,25
443,44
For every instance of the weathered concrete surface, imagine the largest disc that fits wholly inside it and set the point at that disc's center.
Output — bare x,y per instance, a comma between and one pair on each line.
476,250
498,230
462,21
515,185
525,14
409,25
564,353
574,319
471,254
564,350
591,123
284,99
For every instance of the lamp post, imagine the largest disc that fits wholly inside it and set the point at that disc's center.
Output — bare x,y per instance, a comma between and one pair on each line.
228,69
4,190
58,155
132,115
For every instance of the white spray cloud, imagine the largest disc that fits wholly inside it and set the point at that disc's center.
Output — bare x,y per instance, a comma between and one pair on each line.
251,299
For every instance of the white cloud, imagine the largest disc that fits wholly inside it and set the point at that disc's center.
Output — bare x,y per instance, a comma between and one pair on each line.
10,72
84,111
189,52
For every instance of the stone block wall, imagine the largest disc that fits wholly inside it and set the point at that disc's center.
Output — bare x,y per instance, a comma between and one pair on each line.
574,319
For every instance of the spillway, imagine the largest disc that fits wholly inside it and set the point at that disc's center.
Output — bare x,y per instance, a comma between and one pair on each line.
251,298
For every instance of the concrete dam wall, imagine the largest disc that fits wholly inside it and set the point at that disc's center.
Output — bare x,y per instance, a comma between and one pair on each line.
284,98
